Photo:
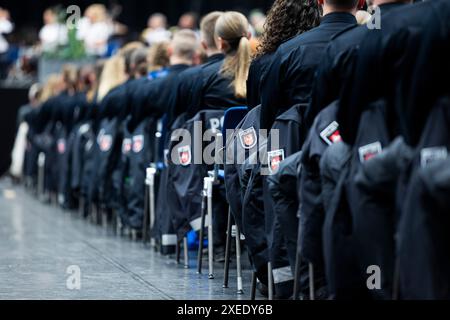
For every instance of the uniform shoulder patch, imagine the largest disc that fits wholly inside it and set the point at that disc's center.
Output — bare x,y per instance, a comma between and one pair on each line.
248,138
274,160
138,143
331,134
61,146
184,155
105,142
126,145
369,151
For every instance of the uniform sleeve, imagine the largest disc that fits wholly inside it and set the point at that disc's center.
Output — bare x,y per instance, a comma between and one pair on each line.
363,82
370,78
253,85
271,92
325,87
432,64
43,116
196,91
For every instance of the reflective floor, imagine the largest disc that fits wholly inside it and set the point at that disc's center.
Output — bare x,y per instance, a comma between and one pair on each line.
43,250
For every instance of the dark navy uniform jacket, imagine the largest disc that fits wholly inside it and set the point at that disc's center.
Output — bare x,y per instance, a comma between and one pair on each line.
60,108
213,91
388,63
258,70
336,65
186,96
154,95
290,76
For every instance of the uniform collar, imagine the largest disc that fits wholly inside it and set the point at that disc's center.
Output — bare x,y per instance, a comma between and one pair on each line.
387,7
215,57
338,17
177,67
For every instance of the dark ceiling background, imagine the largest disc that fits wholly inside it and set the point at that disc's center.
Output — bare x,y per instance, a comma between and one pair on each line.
27,14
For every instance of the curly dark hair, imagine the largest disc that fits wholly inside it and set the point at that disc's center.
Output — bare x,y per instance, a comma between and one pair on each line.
286,19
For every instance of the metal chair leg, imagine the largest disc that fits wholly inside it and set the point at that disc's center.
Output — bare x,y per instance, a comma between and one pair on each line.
240,288
152,205
312,294
81,206
114,221
145,225
227,251
41,176
104,218
270,280
178,252
186,253
209,192
201,233
396,282
298,262
253,288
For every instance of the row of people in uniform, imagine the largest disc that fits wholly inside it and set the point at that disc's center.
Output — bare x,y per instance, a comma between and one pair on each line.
351,206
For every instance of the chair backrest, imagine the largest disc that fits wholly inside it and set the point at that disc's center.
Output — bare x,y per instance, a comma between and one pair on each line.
232,118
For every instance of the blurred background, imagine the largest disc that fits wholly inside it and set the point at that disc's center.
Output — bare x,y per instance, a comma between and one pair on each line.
35,41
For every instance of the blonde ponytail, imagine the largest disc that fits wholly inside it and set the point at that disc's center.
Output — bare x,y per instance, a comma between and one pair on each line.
233,27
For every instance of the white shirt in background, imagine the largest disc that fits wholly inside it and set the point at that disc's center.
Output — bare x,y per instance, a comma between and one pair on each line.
157,36
6,27
95,36
53,35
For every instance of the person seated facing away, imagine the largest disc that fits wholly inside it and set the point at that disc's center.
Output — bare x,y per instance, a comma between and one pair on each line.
291,73
223,83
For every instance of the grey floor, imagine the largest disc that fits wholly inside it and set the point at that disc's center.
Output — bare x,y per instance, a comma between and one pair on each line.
39,244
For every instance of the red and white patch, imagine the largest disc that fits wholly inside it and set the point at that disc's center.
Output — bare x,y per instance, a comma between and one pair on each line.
184,155
274,160
105,143
369,151
126,146
331,134
248,138
61,146
138,143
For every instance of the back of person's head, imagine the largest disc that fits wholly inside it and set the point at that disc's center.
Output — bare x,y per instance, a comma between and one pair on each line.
232,36
127,51
51,87
184,44
70,77
158,56
113,75
139,62
208,29
286,19
35,93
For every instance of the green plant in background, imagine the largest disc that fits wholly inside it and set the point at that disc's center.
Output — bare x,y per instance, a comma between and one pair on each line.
74,48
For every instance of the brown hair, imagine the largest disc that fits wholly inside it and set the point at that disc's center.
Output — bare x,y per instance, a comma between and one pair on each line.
158,56
286,19
208,28
233,28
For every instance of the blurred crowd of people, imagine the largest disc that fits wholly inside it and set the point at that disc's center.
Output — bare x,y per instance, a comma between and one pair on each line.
97,34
